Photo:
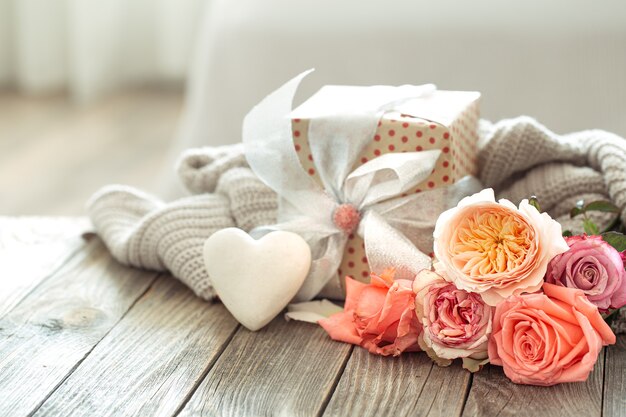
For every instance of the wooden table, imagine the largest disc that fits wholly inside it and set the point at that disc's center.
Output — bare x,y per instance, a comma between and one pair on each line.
81,335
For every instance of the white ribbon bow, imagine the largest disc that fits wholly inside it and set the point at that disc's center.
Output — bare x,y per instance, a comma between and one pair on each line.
372,192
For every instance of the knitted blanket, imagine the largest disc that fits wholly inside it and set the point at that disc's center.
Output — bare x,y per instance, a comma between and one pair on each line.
517,157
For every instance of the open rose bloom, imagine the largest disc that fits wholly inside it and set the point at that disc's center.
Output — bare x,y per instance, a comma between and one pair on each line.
548,338
594,267
456,323
494,248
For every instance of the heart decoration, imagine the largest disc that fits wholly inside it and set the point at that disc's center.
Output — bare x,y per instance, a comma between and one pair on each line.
256,279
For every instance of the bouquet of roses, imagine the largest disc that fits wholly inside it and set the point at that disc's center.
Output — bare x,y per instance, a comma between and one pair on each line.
506,288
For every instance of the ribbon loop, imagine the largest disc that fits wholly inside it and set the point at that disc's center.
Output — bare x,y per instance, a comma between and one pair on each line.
269,150
388,176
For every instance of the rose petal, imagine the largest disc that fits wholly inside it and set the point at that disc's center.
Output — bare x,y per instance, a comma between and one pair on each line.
340,327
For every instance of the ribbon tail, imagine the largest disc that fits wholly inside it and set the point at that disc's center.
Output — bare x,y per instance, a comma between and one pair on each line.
386,247
389,176
327,248
327,254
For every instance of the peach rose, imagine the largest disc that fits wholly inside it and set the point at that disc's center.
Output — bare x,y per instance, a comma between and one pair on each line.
496,249
456,323
549,338
379,316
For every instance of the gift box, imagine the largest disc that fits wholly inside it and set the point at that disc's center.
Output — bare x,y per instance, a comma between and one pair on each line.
444,120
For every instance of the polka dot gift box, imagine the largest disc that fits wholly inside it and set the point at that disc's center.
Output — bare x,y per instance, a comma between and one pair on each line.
445,120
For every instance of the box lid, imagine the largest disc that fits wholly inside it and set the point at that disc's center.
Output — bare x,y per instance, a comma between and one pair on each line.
439,106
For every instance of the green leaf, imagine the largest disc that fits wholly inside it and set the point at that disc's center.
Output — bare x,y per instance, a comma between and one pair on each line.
567,233
590,227
610,315
603,206
533,201
615,239
615,225
575,212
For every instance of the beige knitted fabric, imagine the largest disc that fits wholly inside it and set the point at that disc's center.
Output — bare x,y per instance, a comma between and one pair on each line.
518,158
201,168
144,232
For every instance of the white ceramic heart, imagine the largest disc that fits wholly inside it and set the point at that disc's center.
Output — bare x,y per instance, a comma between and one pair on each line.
256,279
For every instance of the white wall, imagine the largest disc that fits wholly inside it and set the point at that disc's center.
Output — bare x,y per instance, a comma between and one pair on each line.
561,61
91,47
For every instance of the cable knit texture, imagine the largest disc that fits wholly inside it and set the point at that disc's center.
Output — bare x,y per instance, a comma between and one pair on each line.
144,232
200,169
518,158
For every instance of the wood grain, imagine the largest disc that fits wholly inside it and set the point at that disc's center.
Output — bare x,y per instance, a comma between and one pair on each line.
47,334
81,335
614,403
409,385
286,369
151,360
493,394
31,250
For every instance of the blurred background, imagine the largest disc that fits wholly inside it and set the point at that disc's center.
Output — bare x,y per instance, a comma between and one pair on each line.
98,92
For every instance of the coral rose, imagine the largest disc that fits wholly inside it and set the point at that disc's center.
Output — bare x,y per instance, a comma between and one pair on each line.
496,249
379,316
593,266
456,323
548,338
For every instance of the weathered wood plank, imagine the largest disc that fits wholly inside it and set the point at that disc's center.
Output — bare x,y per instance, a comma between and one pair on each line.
492,393
148,363
53,328
409,385
286,369
31,249
614,403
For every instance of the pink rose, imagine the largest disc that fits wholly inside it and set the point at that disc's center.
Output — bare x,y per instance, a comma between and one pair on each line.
456,323
496,249
548,338
379,316
593,266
